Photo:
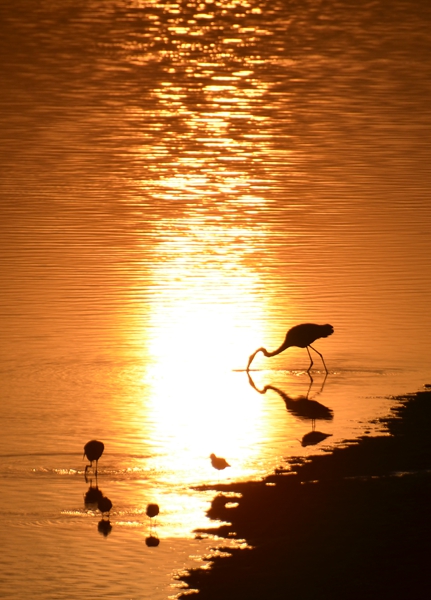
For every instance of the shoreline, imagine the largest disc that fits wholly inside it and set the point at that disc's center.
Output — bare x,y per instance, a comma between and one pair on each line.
351,523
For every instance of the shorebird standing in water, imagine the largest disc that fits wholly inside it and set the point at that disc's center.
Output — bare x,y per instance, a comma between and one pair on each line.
218,463
301,336
152,510
93,450
104,505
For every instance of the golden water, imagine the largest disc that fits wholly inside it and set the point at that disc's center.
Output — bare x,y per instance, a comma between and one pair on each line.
181,183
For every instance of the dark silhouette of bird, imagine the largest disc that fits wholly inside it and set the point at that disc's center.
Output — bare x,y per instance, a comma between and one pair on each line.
301,336
93,450
152,510
218,463
104,505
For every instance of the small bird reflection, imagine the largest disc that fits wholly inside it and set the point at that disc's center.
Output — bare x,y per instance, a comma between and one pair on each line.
301,336
218,462
313,438
152,541
104,527
93,450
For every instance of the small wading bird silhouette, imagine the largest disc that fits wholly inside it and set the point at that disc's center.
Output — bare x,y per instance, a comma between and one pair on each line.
93,450
104,505
301,336
152,510
218,463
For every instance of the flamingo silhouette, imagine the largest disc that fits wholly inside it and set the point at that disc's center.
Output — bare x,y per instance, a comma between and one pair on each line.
301,336
93,450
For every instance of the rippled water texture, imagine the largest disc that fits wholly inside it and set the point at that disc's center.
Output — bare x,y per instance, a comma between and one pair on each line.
181,183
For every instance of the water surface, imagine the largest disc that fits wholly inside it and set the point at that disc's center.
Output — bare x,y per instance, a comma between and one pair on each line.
181,183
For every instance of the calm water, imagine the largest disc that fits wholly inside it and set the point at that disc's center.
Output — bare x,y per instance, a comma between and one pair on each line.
181,183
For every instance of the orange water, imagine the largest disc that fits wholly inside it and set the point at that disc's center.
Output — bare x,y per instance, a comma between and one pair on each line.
181,183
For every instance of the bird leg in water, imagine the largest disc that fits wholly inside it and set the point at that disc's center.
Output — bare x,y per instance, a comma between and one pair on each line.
321,356
311,360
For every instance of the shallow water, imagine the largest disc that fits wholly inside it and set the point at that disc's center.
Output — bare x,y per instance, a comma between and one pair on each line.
181,183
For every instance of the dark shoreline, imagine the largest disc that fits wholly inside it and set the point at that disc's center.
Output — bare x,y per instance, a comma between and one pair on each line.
353,523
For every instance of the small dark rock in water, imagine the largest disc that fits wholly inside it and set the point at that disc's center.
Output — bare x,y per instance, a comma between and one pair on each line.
427,385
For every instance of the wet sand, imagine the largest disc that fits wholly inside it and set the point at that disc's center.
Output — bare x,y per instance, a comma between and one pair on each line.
353,523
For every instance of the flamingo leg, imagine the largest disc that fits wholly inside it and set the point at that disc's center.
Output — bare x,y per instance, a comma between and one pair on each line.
321,356
311,360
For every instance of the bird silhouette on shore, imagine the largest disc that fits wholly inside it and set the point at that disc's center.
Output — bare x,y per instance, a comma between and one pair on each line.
301,336
93,450
219,463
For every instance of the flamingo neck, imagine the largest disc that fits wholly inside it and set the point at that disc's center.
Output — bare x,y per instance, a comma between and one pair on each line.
283,347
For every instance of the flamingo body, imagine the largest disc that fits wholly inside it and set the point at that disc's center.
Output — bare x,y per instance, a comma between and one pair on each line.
301,336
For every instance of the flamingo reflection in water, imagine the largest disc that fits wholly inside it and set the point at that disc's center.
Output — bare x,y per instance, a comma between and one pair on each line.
303,408
301,336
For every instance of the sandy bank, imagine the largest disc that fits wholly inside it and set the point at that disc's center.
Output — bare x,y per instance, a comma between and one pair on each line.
354,523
